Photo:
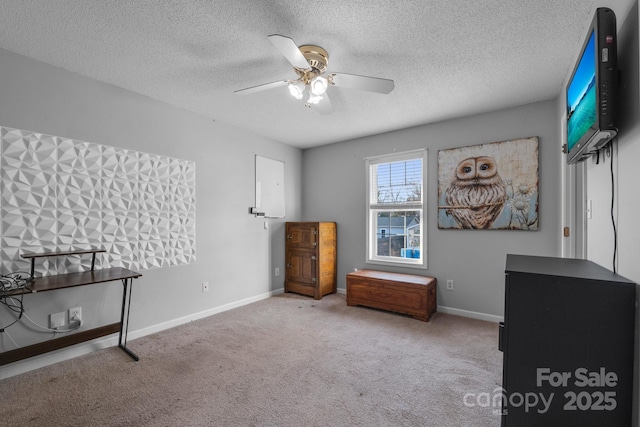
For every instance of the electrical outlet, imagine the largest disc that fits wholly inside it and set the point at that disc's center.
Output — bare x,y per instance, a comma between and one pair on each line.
56,320
75,314
277,271
449,284
205,286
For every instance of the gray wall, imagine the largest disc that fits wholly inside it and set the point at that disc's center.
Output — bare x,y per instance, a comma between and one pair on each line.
235,253
600,241
334,190
626,151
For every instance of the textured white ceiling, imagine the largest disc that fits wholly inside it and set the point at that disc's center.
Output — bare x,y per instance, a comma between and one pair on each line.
448,58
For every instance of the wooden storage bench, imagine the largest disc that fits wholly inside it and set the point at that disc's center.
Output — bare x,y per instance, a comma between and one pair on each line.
400,293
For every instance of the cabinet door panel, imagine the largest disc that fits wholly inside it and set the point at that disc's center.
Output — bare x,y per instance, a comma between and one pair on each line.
302,267
303,235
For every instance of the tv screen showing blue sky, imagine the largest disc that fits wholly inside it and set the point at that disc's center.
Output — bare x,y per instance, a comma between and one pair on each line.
581,95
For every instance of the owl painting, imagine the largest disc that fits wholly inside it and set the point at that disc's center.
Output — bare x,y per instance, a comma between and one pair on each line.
477,193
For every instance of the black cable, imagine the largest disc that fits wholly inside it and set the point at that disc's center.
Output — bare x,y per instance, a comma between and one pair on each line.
9,284
613,219
14,304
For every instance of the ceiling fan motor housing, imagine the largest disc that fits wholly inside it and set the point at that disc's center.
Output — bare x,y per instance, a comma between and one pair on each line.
317,57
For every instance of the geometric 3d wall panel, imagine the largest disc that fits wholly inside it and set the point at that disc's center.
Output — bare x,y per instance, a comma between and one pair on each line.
58,193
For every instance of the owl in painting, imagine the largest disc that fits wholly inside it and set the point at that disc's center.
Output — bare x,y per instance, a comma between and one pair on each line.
477,194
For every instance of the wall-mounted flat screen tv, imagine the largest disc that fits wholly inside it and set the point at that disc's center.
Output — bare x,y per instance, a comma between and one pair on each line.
591,90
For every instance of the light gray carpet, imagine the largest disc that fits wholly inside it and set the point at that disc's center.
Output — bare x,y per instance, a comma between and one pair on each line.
284,361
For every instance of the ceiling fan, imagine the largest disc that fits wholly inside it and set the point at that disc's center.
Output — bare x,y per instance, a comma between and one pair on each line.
310,62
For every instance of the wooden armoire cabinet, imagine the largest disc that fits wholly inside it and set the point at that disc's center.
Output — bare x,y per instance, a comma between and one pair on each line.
310,258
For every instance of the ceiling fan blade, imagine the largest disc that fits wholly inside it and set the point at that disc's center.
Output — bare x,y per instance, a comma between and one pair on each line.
324,106
371,84
290,50
260,88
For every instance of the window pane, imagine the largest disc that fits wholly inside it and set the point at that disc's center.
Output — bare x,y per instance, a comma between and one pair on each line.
396,182
398,234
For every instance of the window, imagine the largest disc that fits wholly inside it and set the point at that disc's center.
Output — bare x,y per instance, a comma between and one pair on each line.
396,224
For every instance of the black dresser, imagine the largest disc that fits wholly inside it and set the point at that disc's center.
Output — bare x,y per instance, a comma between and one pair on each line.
568,344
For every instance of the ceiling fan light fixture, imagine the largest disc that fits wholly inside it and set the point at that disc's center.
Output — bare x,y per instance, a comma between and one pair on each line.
309,63
319,85
296,89
314,99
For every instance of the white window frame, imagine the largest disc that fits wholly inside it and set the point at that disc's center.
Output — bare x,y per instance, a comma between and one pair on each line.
373,208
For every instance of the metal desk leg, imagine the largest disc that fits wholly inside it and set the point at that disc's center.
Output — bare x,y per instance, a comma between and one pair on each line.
124,321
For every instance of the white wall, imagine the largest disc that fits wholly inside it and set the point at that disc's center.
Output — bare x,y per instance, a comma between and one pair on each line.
235,253
334,190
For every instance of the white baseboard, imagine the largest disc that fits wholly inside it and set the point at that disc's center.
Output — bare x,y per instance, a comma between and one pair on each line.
458,312
53,357
201,315
81,349
471,314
